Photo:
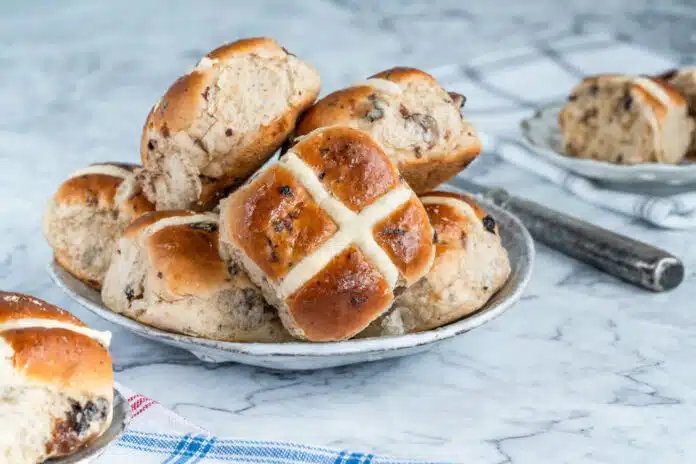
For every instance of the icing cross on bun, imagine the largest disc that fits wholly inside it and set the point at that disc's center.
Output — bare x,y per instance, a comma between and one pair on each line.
89,211
329,232
470,266
56,381
418,123
167,272
219,123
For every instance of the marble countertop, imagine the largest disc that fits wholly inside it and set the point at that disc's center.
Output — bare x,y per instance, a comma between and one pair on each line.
583,369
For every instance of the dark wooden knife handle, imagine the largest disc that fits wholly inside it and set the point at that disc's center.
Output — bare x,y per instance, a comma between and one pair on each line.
633,261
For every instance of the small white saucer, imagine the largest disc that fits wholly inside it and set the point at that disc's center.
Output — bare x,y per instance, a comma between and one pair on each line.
541,133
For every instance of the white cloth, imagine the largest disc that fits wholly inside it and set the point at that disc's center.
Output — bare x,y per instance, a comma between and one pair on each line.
502,89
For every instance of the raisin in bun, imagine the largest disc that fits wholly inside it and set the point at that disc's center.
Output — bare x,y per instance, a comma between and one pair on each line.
88,213
470,266
418,123
329,232
625,120
56,381
167,272
219,123
684,81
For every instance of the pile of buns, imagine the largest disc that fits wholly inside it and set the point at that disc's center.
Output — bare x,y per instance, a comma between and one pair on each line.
342,236
626,119
56,381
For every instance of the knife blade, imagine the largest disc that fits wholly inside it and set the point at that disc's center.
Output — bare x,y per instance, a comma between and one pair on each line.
628,259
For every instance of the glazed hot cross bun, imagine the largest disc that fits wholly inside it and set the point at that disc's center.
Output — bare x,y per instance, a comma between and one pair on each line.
626,120
56,381
329,233
167,272
470,266
417,123
219,123
87,214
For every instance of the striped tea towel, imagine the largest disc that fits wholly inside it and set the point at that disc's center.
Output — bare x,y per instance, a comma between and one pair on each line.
503,88
158,435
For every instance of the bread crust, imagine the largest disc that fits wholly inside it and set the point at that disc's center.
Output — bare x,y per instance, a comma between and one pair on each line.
188,259
418,107
354,233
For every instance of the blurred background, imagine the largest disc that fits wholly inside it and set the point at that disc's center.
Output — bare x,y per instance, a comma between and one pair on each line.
100,65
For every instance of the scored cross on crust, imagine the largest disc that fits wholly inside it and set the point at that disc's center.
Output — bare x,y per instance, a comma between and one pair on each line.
328,233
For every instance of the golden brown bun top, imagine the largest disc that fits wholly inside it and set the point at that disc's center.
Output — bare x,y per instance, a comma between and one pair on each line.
350,164
450,221
404,75
20,306
54,357
185,256
95,190
288,212
98,190
277,222
339,107
179,106
404,235
187,259
348,293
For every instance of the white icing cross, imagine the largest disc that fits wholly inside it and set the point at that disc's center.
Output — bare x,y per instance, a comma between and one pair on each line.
178,221
353,228
103,338
105,169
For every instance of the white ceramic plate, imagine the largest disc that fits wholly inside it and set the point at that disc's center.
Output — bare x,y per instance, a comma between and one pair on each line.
118,425
541,133
305,356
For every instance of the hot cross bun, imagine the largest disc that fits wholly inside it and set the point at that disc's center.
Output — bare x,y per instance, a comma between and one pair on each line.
167,272
220,122
87,214
417,123
56,381
329,233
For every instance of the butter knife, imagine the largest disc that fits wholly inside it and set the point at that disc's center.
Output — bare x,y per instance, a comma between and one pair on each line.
630,260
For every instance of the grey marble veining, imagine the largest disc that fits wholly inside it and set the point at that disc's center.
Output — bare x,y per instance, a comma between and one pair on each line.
584,369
